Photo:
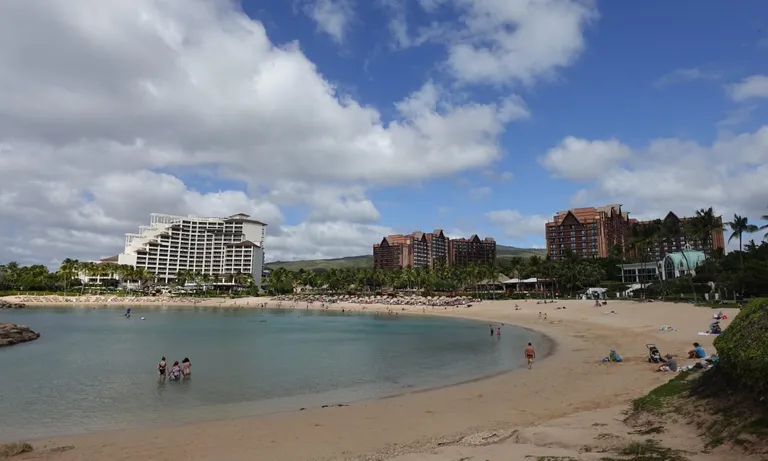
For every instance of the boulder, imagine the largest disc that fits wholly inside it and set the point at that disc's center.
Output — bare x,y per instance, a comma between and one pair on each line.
11,334
9,305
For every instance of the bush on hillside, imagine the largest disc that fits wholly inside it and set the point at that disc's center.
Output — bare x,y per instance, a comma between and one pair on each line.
743,346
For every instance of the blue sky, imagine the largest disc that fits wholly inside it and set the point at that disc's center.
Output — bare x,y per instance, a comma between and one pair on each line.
339,121
649,70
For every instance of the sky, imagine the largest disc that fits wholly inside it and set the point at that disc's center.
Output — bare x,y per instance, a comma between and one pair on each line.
340,121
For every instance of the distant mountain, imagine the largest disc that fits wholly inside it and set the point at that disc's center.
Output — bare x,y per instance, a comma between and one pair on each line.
502,252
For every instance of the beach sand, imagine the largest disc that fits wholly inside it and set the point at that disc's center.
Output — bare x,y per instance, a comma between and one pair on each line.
567,402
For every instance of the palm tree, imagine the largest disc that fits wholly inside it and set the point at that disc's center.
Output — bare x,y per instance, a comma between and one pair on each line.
702,227
738,227
68,271
764,227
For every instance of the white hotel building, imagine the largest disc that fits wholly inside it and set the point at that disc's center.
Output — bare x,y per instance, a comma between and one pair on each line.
212,246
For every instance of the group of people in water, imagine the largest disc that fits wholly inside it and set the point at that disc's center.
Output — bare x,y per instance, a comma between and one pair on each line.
177,371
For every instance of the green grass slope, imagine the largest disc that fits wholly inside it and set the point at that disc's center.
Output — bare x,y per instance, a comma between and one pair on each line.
364,261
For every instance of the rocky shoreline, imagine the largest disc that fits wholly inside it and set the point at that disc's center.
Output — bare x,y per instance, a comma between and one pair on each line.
408,300
11,333
9,305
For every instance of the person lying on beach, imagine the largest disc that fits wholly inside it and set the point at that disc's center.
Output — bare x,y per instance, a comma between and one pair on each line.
698,352
670,364
530,355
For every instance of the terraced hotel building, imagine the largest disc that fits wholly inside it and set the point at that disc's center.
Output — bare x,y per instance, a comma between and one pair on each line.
218,247
426,249
587,232
592,232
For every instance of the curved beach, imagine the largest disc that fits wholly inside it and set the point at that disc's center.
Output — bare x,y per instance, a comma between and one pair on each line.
571,384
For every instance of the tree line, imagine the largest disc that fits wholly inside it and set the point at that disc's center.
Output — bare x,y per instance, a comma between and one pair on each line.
15,277
744,271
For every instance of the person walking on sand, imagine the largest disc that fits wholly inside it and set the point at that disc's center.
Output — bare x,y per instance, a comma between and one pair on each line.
161,368
530,355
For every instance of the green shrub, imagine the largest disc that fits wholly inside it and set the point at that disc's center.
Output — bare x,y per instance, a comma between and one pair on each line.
743,346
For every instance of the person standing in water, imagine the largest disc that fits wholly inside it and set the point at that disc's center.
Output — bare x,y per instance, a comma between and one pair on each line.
128,313
161,368
498,331
175,373
530,355
186,368
491,327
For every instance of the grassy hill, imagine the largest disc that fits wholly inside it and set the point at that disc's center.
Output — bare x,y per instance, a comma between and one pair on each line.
502,252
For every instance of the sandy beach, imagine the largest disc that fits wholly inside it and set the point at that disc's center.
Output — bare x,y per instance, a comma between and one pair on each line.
569,401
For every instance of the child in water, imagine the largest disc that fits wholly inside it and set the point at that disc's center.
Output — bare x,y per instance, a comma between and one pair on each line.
175,373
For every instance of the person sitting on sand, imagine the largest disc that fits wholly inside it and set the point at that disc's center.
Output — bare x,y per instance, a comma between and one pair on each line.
186,368
670,364
698,352
530,355
175,373
161,368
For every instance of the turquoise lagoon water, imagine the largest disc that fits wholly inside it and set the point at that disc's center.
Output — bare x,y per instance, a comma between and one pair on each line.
93,369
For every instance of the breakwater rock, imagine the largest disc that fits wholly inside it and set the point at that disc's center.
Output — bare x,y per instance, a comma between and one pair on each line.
11,333
9,305
406,300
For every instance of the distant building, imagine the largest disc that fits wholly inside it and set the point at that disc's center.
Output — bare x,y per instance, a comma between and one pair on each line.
218,247
667,245
104,273
463,252
671,266
437,247
397,251
592,232
587,232
420,249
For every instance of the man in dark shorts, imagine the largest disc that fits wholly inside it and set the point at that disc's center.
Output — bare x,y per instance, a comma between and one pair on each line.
530,355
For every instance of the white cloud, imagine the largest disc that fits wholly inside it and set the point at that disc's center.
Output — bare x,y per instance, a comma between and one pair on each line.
331,16
752,87
682,176
686,75
327,239
737,116
581,159
499,175
97,132
478,193
503,41
516,225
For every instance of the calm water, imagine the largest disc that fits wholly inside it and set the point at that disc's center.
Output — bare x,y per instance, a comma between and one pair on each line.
95,369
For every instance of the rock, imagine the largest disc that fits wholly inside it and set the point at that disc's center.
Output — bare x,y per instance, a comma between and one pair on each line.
405,300
9,305
11,334
14,449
